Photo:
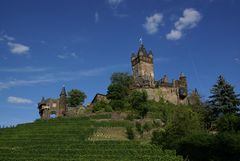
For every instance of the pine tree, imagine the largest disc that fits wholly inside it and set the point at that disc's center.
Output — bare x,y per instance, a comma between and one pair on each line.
223,100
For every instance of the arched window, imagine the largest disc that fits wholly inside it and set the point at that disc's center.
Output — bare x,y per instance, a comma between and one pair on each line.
145,76
53,114
136,73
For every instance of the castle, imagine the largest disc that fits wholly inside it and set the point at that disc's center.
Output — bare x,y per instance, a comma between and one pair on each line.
175,92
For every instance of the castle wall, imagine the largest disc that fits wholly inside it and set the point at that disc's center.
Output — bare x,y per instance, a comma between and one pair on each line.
167,93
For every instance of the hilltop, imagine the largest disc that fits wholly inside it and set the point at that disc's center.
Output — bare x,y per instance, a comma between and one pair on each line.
78,138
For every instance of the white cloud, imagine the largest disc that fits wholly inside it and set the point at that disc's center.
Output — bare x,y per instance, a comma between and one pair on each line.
120,15
152,23
18,100
174,35
60,76
189,20
74,55
114,3
162,59
96,16
14,83
23,69
17,48
237,60
67,55
8,38
61,56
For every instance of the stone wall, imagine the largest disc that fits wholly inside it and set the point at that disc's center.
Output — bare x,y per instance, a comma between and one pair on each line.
167,93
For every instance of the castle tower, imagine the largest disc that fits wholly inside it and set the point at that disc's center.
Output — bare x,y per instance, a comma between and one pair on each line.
142,67
183,80
183,89
62,102
43,109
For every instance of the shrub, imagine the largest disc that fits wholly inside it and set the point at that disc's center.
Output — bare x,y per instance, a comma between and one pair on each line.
102,106
108,108
183,122
194,146
227,147
139,128
147,126
221,147
228,122
138,101
119,105
130,133
157,123
130,117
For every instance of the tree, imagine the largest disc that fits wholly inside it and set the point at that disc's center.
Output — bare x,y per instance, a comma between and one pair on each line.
76,97
122,78
223,100
119,90
138,101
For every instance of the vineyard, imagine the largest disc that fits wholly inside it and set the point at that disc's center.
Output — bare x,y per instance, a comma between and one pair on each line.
67,139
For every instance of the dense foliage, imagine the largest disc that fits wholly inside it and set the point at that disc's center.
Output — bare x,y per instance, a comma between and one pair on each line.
138,102
119,90
76,97
102,106
183,122
209,132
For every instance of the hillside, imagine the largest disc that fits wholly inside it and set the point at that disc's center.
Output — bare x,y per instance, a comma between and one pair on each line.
68,139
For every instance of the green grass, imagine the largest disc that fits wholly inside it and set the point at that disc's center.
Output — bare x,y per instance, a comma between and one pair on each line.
66,139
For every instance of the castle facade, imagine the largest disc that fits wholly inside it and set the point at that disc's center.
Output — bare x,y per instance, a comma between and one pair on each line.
175,91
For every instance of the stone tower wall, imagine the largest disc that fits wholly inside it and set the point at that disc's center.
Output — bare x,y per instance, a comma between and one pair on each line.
167,93
143,69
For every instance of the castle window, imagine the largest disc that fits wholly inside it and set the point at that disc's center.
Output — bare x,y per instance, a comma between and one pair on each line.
136,73
53,114
145,76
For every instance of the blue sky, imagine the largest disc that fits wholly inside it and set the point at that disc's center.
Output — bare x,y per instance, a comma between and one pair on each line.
79,44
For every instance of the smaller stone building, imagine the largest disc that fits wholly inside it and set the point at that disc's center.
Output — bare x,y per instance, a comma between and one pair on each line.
53,107
99,97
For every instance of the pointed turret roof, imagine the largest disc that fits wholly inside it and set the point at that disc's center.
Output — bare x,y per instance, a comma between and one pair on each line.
142,49
43,100
63,92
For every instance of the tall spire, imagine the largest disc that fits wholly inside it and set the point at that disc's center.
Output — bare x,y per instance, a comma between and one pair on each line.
63,92
43,99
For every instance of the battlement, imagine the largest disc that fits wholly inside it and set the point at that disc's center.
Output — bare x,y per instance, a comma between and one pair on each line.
142,55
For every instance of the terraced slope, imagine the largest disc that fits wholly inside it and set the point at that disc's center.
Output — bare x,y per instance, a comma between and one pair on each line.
66,139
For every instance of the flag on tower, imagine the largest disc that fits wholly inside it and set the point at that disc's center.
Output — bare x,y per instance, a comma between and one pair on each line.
141,40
